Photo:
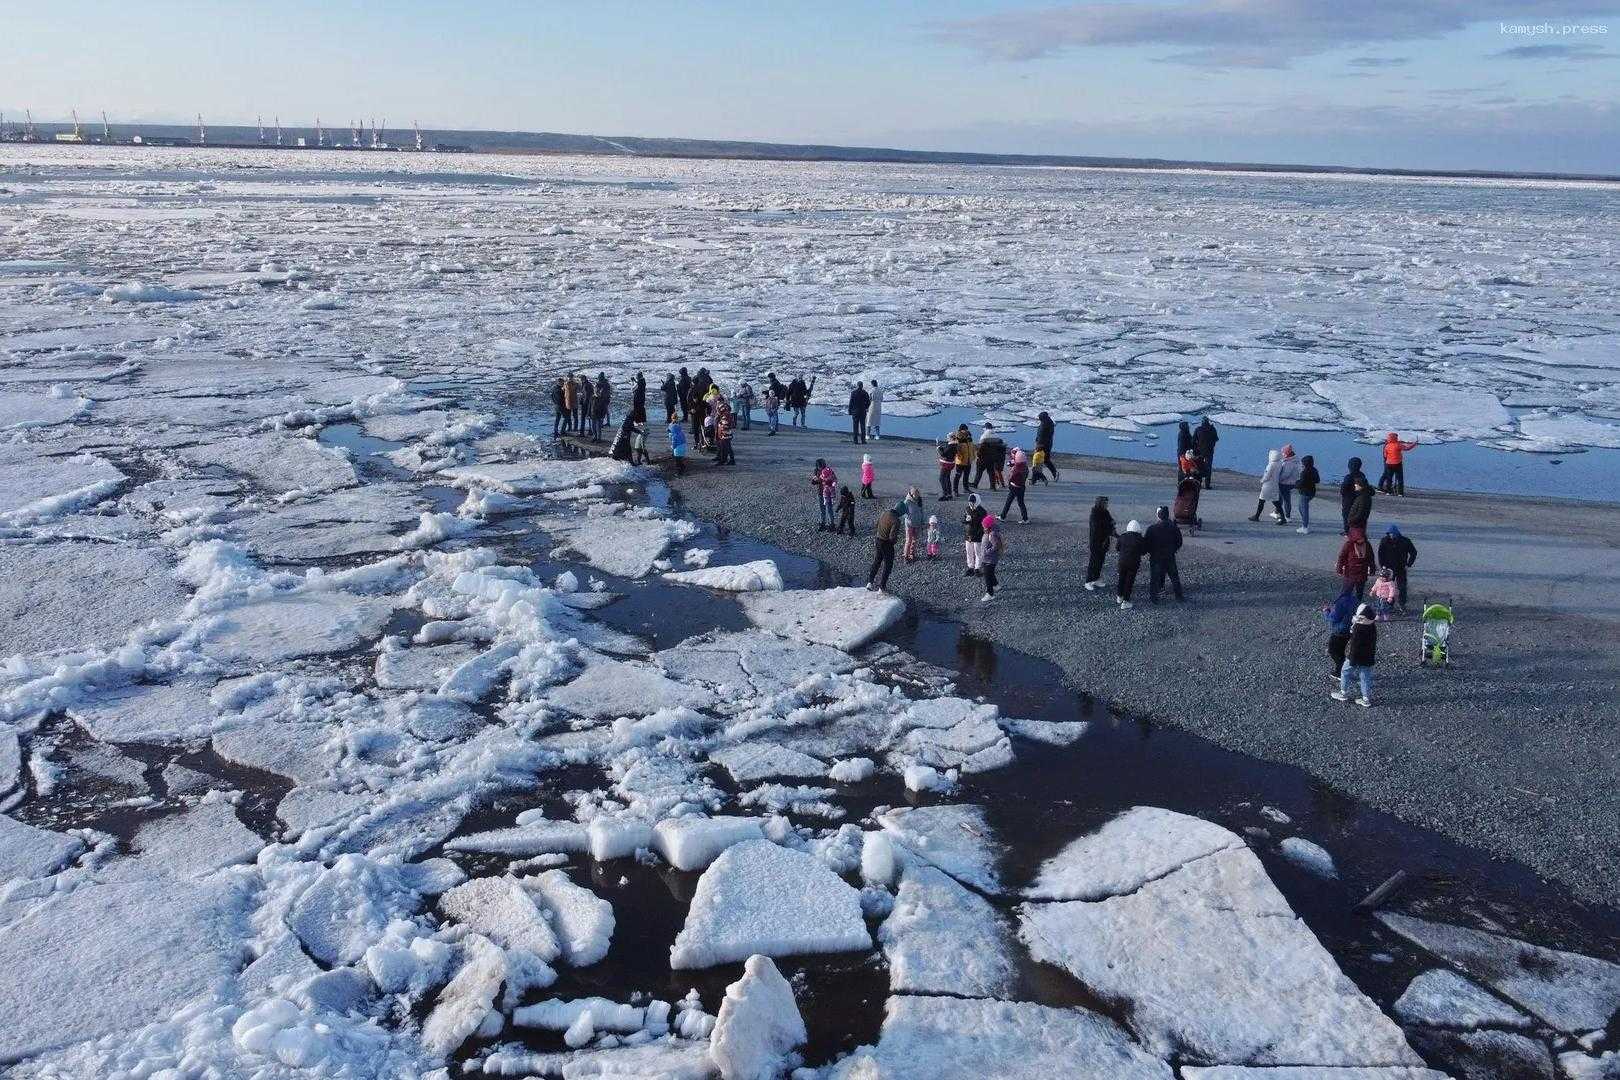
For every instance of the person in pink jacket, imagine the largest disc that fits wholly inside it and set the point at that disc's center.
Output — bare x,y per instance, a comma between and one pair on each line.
868,476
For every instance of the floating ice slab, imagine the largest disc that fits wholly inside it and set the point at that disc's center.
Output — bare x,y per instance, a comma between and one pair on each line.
35,488
28,852
535,838
1378,405
759,576
109,958
1308,856
278,464
844,618
502,910
1572,993
759,1024
583,921
421,667
625,546
1141,845
760,898
467,999
1210,962
538,475
753,661
607,689
63,595
1309,1072
192,843
957,839
943,939
1442,998
149,713
694,841
761,761
930,1038
292,625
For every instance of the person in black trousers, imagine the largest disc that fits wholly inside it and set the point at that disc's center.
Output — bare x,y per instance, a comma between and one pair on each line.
1132,546
1102,538
1398,553
1204,440
559,406
947,465
1045,429
859,401
888,531
1347,491
683,391
1163,541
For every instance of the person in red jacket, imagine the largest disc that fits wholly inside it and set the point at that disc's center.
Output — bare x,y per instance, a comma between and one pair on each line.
1393,481
1356,562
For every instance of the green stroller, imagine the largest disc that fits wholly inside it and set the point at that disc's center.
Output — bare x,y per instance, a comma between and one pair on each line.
1437,623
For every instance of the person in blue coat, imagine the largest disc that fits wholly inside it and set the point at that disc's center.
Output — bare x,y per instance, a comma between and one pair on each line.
677,444
1339,615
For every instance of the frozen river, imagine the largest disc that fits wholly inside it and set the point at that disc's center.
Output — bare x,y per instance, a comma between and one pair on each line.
346,731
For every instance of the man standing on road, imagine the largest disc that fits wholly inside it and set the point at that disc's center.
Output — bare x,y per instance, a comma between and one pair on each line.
859,400
672,397
1045,432
683,388
888,531
1347,491
1163,541
1399,554
1360,509
1204,440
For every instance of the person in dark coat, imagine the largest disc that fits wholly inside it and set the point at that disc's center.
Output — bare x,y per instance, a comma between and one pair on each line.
1163,541
989,458
1017,482
621,442
672,397
1338,615
1357,514
947,466
1347,490
683,387
1399,554
1132,546
1045,433
888,532
1359,656
559,406
1102,533
1309,480
1184,440
638,399
859,402
1204,440
601,405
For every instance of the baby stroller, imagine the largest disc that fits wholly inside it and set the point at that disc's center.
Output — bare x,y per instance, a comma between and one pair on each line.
1185,510
1437,623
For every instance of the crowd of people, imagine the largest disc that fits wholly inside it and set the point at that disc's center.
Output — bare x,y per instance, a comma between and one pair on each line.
1373,581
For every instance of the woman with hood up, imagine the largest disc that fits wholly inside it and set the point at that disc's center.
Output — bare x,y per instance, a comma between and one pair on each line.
1102,533
1184,440
1359,657
1338,615
1132,546
1271,490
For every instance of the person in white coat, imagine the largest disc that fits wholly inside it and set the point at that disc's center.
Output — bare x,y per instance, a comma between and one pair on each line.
1271,490
874,412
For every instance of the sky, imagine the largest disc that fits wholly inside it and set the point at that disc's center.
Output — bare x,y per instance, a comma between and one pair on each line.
1449,84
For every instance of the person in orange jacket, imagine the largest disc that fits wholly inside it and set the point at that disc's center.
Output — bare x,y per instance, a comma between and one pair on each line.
1393,481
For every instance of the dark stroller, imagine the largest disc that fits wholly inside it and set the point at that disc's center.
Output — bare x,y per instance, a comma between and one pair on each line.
1185,510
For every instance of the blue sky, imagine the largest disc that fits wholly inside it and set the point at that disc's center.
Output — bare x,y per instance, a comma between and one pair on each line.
1406,83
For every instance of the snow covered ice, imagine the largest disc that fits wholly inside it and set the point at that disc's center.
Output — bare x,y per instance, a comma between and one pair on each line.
366,779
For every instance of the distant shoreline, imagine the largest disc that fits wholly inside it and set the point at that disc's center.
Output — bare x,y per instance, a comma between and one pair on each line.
545,144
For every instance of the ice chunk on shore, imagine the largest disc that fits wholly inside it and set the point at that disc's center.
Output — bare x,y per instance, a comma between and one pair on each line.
1442,998
955,838
1308,856
28,852
760,898
751,660
503,911
1210,962
1309,1072
694,841
582,921
539,475
110,958
1141,845
924,938
759,1025
844,618
759,576
1572,993
932,1038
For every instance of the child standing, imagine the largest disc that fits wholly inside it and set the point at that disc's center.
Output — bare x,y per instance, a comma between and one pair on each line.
677,444
846,510
932,537
868,476
773,407
638,444
1384,594
1037,463
990,549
